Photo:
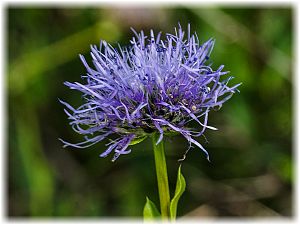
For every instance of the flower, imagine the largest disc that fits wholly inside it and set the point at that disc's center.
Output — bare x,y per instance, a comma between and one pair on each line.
149,86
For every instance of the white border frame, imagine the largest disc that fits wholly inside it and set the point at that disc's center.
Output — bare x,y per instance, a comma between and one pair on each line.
3,102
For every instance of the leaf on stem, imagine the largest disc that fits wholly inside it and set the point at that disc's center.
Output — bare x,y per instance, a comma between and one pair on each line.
180,188
150,211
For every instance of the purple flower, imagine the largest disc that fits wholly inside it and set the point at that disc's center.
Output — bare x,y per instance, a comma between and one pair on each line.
153,85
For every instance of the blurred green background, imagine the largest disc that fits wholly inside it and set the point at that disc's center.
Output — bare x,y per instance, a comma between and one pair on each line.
251,173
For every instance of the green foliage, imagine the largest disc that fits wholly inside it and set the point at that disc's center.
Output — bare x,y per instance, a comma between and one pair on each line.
137,140
150,211
180,188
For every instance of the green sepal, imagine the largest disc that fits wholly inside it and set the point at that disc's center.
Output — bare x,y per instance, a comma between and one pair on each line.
150,211
180,188
137,140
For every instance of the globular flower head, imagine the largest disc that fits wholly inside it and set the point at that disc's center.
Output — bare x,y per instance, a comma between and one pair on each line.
152,85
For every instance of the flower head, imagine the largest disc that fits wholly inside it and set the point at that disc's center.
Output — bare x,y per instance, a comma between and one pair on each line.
153,85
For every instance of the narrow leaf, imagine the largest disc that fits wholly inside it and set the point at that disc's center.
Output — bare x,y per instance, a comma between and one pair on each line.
137,140
180,187
150,211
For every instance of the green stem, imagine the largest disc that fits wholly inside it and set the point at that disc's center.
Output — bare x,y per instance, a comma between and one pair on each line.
162,176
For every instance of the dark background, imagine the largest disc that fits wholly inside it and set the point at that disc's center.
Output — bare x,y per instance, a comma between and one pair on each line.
251,173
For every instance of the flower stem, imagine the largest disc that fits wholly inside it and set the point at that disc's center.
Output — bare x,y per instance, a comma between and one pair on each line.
162,176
